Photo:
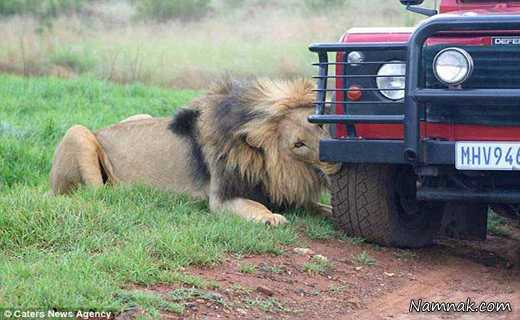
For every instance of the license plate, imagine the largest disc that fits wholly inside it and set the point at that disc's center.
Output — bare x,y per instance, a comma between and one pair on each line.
487,156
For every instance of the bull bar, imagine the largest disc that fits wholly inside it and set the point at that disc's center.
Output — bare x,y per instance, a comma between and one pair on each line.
413,149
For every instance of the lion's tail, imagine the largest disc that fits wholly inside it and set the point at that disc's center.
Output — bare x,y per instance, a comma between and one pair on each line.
106,166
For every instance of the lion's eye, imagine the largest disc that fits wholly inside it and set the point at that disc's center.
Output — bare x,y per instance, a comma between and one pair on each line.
299,144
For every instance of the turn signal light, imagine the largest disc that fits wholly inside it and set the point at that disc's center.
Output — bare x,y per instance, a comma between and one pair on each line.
354,93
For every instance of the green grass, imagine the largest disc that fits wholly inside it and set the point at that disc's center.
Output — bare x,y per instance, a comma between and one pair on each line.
498,226
247,268
267,305
364,259
85,250
317,264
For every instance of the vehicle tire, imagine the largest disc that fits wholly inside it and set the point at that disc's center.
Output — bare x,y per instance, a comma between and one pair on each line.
378,203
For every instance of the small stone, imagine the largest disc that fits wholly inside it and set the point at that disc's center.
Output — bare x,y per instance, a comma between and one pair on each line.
389,274
355,302
241,311
268,292
303,251
191,305
358,268
320,257
300,291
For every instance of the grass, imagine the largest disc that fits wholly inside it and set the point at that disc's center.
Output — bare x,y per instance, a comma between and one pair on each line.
317,264
364,259
337,289
85,250
188,294
247,268
497,225
267,305
151,303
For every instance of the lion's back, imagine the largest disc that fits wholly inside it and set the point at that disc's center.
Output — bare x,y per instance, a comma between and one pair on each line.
146,151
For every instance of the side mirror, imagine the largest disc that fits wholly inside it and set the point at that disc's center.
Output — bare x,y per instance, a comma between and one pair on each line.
411,2
413,6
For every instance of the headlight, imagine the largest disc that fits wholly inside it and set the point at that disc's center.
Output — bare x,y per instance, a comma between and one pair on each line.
391,87
453,66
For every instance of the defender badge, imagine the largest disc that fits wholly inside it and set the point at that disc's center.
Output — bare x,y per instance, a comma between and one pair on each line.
506,41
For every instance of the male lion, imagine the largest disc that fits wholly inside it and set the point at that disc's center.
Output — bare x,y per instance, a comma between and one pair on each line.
245,146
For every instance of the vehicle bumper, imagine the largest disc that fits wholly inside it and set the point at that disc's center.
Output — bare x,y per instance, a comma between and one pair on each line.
384,151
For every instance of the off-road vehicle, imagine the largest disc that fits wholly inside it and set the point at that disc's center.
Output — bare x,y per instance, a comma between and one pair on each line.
426,121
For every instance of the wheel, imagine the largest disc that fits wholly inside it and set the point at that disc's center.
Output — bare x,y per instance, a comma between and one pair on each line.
378,203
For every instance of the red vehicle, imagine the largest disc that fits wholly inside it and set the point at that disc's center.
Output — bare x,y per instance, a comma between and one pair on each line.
426,122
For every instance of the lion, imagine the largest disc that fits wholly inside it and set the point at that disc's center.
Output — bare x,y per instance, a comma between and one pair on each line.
245,146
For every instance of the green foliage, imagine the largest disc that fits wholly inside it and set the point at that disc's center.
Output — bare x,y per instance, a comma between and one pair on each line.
363,258
151,303
497,225
267,305
234,3
164,10
317,264
246,268
323,5
187,294
79,61
40,8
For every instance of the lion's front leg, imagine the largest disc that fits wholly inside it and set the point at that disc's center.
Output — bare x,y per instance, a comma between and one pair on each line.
248,209
320,209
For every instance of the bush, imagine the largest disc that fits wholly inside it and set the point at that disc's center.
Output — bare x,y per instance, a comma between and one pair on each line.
79,61
40,8
234,3
164,10
323,5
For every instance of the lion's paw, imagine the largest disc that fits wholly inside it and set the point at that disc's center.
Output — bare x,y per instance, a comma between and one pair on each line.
325,210
274,219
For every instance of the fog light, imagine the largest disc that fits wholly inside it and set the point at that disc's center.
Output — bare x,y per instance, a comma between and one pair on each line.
453,66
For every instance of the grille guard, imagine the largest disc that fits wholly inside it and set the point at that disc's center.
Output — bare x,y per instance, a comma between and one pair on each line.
412,149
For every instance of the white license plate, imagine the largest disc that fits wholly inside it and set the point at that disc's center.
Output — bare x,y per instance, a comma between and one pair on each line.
487,156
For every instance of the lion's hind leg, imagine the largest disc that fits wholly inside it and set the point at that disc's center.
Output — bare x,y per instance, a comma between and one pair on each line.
77,161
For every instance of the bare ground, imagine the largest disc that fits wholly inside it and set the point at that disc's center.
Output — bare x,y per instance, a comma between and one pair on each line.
280,287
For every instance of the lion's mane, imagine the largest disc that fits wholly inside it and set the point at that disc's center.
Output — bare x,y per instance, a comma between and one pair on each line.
238,130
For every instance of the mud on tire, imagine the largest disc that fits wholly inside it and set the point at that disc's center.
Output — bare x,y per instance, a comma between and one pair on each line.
377,202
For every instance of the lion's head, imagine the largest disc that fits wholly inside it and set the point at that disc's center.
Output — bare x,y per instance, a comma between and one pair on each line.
260,130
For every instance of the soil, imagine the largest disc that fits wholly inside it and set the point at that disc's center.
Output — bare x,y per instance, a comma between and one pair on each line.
283,287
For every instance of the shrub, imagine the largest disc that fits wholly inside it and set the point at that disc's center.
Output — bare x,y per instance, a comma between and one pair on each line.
234,3
40,8
164,10
79,61
323,5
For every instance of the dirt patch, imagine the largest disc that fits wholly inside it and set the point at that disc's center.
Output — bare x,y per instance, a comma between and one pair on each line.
360,281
